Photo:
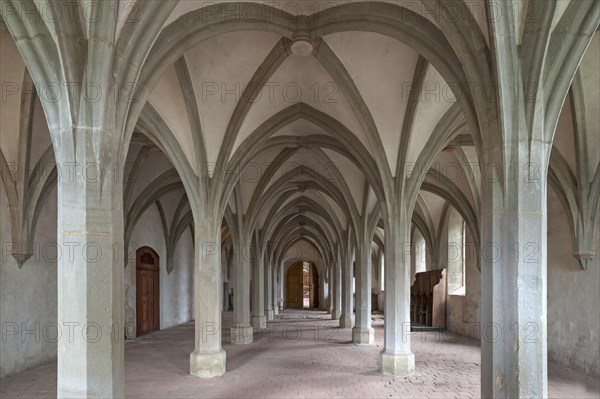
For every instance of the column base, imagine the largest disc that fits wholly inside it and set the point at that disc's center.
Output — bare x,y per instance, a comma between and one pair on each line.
345,321
275,310
242,335
363,335
335,314
269,314
207,364
328,311
259,322
400,365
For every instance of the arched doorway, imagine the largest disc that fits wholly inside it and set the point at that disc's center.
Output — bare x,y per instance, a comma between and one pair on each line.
147,291
302,286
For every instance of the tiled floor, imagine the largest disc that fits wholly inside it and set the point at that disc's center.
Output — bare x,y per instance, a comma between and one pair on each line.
303,354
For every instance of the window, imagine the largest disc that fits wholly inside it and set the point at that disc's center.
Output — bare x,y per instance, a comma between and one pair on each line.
455,253
420,254
354,277
381,272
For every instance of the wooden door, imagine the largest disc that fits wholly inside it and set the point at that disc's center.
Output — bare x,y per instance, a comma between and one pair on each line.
293,287
147,291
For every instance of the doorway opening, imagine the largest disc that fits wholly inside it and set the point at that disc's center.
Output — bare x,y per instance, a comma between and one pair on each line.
302,286
147,291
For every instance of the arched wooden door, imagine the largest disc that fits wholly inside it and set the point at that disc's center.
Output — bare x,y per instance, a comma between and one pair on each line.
147,290
293,287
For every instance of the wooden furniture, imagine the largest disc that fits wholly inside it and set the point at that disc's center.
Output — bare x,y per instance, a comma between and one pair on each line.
428,299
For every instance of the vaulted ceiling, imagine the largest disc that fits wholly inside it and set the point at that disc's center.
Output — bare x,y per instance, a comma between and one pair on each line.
305,123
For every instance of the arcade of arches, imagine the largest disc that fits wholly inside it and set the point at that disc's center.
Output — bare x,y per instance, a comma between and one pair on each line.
380,164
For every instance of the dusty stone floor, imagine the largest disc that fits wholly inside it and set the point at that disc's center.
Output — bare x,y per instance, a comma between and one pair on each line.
302,354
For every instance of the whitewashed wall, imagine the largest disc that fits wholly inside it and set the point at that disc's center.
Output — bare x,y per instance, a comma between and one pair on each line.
176,288
28,296
573,299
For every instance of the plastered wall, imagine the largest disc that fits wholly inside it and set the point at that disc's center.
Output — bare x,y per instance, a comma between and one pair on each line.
462,314
28,295
573,299
176,288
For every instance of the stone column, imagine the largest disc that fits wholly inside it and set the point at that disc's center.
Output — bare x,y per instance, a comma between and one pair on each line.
275,291
330,288
533,74
89,272
396,357
269,291
514,279
259,321
241,332
347,294
208,358
363,333
336,287
281,293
